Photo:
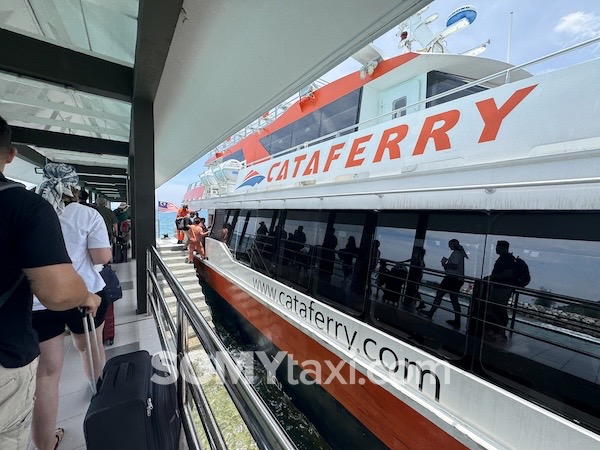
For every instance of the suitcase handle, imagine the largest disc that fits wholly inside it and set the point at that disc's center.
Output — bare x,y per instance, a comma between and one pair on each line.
122,373
88,321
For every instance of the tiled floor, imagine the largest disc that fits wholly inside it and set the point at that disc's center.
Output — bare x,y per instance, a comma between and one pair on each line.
132,332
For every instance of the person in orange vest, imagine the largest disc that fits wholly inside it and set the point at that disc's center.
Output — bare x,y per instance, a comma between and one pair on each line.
183,211
196,234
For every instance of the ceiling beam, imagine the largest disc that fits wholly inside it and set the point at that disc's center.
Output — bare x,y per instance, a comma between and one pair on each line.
156,24
49,62
98,170
65,124
30,155
25,100
63,141
103,181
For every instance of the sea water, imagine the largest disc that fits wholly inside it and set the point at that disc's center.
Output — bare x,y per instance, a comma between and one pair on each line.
165,224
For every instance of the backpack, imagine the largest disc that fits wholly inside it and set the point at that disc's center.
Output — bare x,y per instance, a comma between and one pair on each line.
112,290
521,276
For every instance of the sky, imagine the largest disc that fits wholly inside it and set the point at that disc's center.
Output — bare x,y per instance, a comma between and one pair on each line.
539,27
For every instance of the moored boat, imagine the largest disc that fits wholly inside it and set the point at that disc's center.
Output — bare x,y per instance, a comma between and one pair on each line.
331,197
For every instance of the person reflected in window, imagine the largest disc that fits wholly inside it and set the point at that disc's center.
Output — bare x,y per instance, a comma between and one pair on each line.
500,291
226,233
347,255
454,266
373,261
415,275
328,247
299,241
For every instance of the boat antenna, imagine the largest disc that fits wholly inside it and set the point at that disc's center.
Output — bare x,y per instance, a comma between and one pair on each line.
509,37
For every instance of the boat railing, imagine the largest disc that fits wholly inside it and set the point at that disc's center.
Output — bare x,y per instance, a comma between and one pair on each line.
178,325
504,74
263,120
524,303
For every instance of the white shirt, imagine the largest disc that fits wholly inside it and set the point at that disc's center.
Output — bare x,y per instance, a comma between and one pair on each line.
82,228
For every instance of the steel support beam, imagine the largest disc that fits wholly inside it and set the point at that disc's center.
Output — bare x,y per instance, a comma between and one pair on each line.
42,60
64,141
29,155
97,170
103,181
142,193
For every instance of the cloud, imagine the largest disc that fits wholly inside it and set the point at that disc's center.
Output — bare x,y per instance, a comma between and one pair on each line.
579,25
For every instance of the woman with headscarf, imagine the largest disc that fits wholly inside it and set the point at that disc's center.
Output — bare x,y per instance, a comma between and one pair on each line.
454,266
87,244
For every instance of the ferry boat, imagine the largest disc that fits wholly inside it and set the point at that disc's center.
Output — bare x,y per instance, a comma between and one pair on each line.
402,157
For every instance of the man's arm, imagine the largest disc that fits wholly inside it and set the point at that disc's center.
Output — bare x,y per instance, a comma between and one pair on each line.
57,286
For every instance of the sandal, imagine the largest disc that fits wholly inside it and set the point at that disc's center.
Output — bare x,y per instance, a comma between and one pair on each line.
60,434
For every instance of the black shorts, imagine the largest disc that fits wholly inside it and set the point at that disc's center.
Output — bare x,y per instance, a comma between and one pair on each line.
50,324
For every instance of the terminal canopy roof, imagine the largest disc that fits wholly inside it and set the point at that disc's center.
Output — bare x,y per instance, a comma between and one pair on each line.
70,70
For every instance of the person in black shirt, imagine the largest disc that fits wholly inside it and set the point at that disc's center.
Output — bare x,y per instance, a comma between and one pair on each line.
501,288
48,273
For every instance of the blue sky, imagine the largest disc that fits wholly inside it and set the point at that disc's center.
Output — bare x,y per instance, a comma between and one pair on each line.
538,28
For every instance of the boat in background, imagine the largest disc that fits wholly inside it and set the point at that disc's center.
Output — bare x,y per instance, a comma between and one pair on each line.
319,207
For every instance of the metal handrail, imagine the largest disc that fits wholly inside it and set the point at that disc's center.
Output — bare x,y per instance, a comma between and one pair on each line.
209,422
264,427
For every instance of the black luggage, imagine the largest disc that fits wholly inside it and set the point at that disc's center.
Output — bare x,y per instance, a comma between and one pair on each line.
130,411
120,255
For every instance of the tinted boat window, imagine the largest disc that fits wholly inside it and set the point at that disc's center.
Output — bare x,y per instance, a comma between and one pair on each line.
240,239
257,241
438,82
281,140
306,129
340,114
412,276
544,336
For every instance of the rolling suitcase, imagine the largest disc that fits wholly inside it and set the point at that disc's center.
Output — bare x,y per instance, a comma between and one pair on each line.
129,410
120,255
108,333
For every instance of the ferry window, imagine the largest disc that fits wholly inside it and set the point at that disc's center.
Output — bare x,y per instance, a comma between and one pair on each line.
266,143
306,128
281,140
237,155
341,278
438,82
397,104
341,113
396,235
258,242
297,257
418,278
239,240
550,326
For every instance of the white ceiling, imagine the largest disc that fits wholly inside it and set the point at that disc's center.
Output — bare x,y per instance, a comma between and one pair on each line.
232,60
105,29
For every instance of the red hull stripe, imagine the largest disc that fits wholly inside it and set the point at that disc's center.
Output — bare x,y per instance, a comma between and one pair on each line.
396,424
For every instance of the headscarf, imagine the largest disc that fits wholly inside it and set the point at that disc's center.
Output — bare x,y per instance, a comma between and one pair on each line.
59,179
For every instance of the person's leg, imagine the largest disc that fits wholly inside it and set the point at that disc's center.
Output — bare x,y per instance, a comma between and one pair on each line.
45,409
16,404
437,301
